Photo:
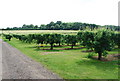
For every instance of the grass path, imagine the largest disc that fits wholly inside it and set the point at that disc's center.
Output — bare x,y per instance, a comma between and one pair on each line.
70,64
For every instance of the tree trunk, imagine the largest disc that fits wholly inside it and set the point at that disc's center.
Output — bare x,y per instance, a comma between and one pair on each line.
72,46
9,39
38,46
119,46
59,43
42,44
99,56
51,47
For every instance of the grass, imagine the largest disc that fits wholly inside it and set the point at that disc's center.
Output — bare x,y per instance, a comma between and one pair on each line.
69,64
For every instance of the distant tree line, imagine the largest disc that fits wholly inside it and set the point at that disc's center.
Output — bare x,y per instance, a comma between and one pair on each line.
59,25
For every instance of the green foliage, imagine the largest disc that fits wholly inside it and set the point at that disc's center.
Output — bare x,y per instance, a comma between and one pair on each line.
8,37
117,39
88,39
71,39
58,38
79,36
102,42
39,38
105,53
30,38
46,36
90,55
59,25
52,39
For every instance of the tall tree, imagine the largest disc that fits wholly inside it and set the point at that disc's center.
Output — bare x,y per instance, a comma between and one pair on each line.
102,43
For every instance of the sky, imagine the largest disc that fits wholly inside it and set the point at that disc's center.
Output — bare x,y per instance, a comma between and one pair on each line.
15,13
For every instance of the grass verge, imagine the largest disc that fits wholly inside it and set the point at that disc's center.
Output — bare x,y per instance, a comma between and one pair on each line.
70,64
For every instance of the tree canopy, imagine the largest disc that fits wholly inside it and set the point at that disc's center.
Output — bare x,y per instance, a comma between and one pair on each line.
59,25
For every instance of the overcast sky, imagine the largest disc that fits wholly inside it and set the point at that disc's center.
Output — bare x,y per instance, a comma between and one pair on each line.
18,12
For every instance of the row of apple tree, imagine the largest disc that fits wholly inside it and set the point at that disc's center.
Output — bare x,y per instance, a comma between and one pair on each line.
100,41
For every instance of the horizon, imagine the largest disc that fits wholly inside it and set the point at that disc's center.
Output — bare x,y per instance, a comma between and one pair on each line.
16,13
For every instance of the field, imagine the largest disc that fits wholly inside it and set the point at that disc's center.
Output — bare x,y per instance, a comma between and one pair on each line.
39,31
69,64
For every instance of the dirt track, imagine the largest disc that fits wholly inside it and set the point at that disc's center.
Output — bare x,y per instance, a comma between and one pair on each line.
16,65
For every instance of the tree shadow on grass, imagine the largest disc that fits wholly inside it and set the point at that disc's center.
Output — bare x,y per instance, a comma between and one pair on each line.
73,48
88,51
32,47
47,50
58,49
